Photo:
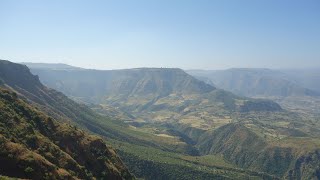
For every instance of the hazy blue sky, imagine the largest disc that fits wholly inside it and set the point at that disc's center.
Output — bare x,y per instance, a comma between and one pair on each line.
198,34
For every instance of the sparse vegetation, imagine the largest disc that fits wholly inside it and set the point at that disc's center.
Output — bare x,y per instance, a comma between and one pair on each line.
32,145
203,133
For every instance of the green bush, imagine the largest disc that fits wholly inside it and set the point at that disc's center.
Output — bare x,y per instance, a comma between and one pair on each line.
28,170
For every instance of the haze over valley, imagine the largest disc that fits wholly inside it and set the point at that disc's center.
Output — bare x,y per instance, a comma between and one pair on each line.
159,90
193,117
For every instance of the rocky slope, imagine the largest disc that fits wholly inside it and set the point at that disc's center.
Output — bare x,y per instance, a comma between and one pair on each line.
53,105
34,145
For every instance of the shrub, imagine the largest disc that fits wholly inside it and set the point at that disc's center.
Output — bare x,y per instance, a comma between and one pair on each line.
28,170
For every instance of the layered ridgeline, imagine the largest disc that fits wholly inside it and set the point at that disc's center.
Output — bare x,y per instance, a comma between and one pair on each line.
255,82
42,142
220,130
248,149
155,94
135,146
293,89
305,77
33,144
37,139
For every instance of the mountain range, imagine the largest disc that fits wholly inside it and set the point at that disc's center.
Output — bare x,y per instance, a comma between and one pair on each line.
293,89
162,123
146,88
252,134
253,82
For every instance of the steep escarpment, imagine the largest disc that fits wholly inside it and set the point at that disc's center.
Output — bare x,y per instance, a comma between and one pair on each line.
56,104
166,92
306,167
242,146
94,84
34,145
248,133
19,79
